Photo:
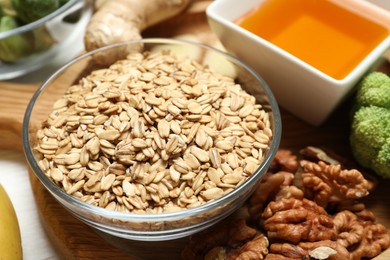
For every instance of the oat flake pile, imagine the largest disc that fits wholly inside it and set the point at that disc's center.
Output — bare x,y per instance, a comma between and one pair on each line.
152,134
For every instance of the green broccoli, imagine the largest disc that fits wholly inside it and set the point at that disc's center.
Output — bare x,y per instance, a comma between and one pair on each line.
31,10
19,46
16,13
7,8
370,129
13,47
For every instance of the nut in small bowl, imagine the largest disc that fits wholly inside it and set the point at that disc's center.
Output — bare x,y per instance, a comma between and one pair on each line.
311,61
29,42
156,146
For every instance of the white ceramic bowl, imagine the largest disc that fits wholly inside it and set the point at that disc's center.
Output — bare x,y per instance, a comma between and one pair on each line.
64,26
298,87
149,227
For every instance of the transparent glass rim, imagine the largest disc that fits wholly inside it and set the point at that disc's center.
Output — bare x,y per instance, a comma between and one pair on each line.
39,22
156,217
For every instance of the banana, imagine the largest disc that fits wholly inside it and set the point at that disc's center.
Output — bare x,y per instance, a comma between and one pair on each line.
10,238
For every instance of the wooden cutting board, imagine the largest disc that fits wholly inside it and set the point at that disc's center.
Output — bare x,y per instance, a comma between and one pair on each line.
75,240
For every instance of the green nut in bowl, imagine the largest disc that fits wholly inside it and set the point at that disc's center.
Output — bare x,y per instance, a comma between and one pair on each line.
33,33
159,145
17,47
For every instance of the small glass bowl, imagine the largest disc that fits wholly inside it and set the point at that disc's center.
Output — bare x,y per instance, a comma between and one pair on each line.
148,227
63,27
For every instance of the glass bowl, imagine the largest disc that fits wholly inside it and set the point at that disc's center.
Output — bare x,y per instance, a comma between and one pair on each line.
149,226
55,33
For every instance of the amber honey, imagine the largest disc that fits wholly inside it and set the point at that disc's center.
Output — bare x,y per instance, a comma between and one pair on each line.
319,32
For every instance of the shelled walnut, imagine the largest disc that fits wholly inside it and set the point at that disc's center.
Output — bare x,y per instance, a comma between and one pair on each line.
277,184
316,154
308,207
325,183
297,220
359,233
272,187
219,240
284,160
255,249
325,249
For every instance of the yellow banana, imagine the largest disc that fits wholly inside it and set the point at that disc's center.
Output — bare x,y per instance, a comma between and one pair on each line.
10,239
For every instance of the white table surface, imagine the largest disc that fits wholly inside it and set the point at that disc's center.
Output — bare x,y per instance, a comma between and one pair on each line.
15,179
14,176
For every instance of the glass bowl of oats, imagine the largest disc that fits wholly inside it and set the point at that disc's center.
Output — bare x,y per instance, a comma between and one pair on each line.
160,142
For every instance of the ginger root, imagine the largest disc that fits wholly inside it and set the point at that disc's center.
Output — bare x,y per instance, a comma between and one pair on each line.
116,21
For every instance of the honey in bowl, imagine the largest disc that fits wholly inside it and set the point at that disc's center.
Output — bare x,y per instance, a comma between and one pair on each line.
321,33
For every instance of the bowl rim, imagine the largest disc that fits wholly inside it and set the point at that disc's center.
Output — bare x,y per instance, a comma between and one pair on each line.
154,217
40,22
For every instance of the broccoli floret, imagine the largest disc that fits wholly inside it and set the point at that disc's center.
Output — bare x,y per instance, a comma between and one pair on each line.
19,46
16,13
370,138
371,125
370,130
16,46
374,90
381,164
31,10
7,8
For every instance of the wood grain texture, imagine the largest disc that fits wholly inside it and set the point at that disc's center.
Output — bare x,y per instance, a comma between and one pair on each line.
13,102
76,240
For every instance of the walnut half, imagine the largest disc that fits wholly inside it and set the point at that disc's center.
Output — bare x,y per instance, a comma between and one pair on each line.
359,233
325,249
324,183
297,220
219,239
